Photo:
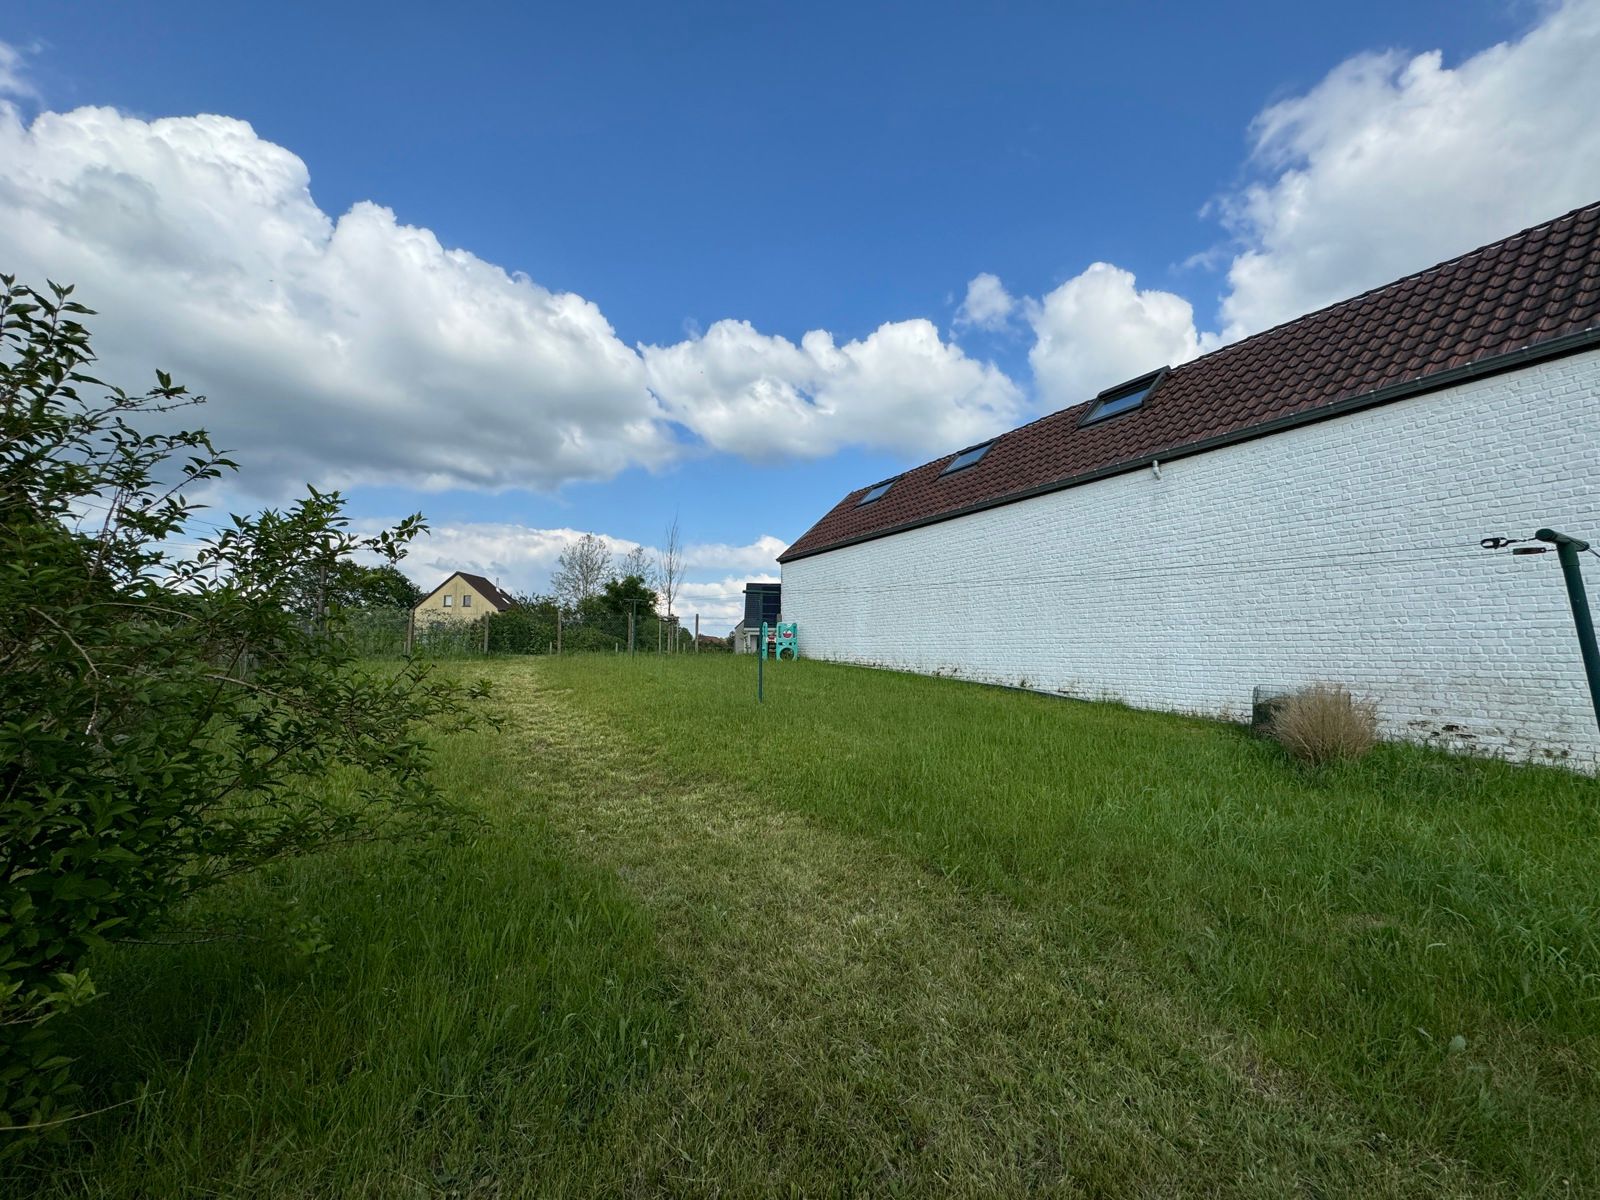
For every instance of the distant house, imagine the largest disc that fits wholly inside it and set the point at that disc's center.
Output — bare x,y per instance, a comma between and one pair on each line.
1304,504
462,597
763,602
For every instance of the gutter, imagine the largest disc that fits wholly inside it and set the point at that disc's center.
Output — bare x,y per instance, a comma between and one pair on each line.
1558,347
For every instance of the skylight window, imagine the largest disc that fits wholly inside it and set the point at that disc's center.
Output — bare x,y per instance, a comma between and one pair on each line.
967,458
875,492
1125,397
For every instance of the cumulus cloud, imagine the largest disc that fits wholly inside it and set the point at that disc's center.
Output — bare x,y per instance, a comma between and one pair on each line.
1393,163
343,351
358,349
759,555
988,305
1098,329
1390,164
901,388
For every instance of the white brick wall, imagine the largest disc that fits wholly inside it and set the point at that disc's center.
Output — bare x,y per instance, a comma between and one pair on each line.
1343,551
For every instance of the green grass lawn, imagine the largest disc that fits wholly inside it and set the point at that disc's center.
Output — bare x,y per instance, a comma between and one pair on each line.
882,935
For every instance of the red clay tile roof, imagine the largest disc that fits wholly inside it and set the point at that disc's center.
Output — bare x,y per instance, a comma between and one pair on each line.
1540,287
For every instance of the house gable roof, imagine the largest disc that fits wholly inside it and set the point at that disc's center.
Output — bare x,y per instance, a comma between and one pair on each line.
482,586
1531,295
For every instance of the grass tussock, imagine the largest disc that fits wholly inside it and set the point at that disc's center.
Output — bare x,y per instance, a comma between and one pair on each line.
1324,723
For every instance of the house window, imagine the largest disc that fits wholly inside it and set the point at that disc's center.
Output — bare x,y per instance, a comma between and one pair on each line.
1125,397
466,600
969,457
447,601
875,492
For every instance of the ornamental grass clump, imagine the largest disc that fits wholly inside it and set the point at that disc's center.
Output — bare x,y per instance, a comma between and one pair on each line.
1324,723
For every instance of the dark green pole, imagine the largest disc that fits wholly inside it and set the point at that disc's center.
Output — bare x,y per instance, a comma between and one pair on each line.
1567,550
761,662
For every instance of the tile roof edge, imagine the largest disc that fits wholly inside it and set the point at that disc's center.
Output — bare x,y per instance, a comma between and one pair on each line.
1496,245
1272,329
1570,343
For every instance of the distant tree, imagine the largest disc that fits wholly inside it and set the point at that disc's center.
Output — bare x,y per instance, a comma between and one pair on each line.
629,593
639,561
527,627
323,581
669,568
534,601
385,586
581,571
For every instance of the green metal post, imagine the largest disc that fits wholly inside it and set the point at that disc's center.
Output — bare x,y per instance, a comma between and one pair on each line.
1567,550
761,662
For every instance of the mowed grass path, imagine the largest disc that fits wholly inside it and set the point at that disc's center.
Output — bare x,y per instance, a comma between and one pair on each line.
1411,943
885,935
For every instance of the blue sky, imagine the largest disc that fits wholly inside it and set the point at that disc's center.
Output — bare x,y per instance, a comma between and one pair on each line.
624,177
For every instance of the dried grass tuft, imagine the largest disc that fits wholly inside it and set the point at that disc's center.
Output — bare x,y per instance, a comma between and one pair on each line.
1324,723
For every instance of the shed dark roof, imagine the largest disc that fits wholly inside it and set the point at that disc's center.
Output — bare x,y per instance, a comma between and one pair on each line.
484,587
1534,294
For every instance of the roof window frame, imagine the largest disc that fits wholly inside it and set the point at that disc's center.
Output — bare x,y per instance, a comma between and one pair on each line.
877,492
1146,385
982,447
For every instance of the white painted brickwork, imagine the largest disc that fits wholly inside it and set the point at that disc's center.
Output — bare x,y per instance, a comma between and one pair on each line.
1344,551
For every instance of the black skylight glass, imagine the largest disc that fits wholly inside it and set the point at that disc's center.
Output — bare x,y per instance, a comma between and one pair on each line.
967,458
875,492
1123,398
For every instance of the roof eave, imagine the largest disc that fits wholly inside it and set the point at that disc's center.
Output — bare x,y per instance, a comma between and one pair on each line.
1571,343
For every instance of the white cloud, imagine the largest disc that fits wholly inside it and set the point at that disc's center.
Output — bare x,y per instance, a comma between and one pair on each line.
1391,164
759,555
13,78
342,351
359,349
988,305
1098,329
901,388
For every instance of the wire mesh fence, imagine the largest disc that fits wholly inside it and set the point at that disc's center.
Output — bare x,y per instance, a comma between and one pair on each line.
392,632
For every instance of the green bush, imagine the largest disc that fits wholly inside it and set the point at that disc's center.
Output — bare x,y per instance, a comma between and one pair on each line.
160,718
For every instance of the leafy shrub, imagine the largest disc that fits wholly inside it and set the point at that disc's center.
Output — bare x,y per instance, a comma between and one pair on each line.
160,718
1324,722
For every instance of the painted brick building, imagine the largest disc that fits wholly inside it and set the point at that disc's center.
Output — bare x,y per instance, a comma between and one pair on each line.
1306,504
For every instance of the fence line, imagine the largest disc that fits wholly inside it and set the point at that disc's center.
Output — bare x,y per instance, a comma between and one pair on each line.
384,633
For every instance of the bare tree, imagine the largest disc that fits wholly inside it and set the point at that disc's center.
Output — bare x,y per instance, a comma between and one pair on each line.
669,569
582,571
638,562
